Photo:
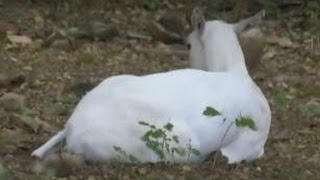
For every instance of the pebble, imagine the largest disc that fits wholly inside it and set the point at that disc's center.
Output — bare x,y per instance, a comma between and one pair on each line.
4,80
12,102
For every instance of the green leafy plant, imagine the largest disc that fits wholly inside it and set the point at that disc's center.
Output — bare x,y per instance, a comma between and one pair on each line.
210,111
192,151
148,4
312,11
310,109
317,136
123,155
216,10
245,122
312,14
272,9
86,59
239,122
158,140
82,3
4,173
281,100
165,145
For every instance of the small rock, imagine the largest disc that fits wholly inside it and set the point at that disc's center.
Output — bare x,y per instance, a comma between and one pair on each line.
74,159
37,44
186,168
252,42
270,54
41,168
64,163
12,102
99,30
4,80
73,178
314,159
258,168
142,171
61,44
285,43
38,167
281,41
19,39
63,178
91,178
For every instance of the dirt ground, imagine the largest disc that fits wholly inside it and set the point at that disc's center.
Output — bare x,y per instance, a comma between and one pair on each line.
51,74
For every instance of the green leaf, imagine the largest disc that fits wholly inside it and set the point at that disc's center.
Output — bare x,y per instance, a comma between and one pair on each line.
133,159
210,111
310,109
317,137
123,155
147,135
152,126
168,126
143,123
180,151
4,173
157,133
175,139
246,122
195,151
281,100
117,148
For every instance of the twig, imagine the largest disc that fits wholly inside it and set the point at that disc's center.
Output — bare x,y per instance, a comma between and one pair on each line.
138,36
224,136
168,52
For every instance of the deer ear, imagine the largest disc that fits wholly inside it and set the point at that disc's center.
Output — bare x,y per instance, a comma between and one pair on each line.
197,20
251,21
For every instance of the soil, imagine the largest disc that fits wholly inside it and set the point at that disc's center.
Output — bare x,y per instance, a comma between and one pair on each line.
54,80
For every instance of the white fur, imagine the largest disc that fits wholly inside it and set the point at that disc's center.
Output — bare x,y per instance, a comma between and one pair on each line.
218,49
108,115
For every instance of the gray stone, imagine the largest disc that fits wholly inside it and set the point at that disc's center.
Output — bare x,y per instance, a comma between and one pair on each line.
61,44
12,102
4,80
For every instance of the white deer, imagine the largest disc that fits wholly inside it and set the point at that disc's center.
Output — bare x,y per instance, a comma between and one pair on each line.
108,116
252,50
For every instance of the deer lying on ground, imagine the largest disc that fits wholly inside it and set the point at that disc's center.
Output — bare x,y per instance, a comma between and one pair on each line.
199,109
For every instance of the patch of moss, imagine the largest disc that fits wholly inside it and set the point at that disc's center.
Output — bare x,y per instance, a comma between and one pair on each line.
86,59
310,91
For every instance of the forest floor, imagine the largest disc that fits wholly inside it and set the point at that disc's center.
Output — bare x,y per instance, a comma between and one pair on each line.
47,75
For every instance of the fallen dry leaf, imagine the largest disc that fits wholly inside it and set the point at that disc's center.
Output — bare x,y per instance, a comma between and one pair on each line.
34,124
281,41
19,39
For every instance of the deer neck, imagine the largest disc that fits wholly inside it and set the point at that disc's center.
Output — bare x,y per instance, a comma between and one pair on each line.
225,55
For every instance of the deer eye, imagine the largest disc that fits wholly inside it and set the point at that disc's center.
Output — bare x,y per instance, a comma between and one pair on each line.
189,46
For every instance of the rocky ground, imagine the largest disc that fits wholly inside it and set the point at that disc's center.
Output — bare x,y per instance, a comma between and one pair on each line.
51,54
